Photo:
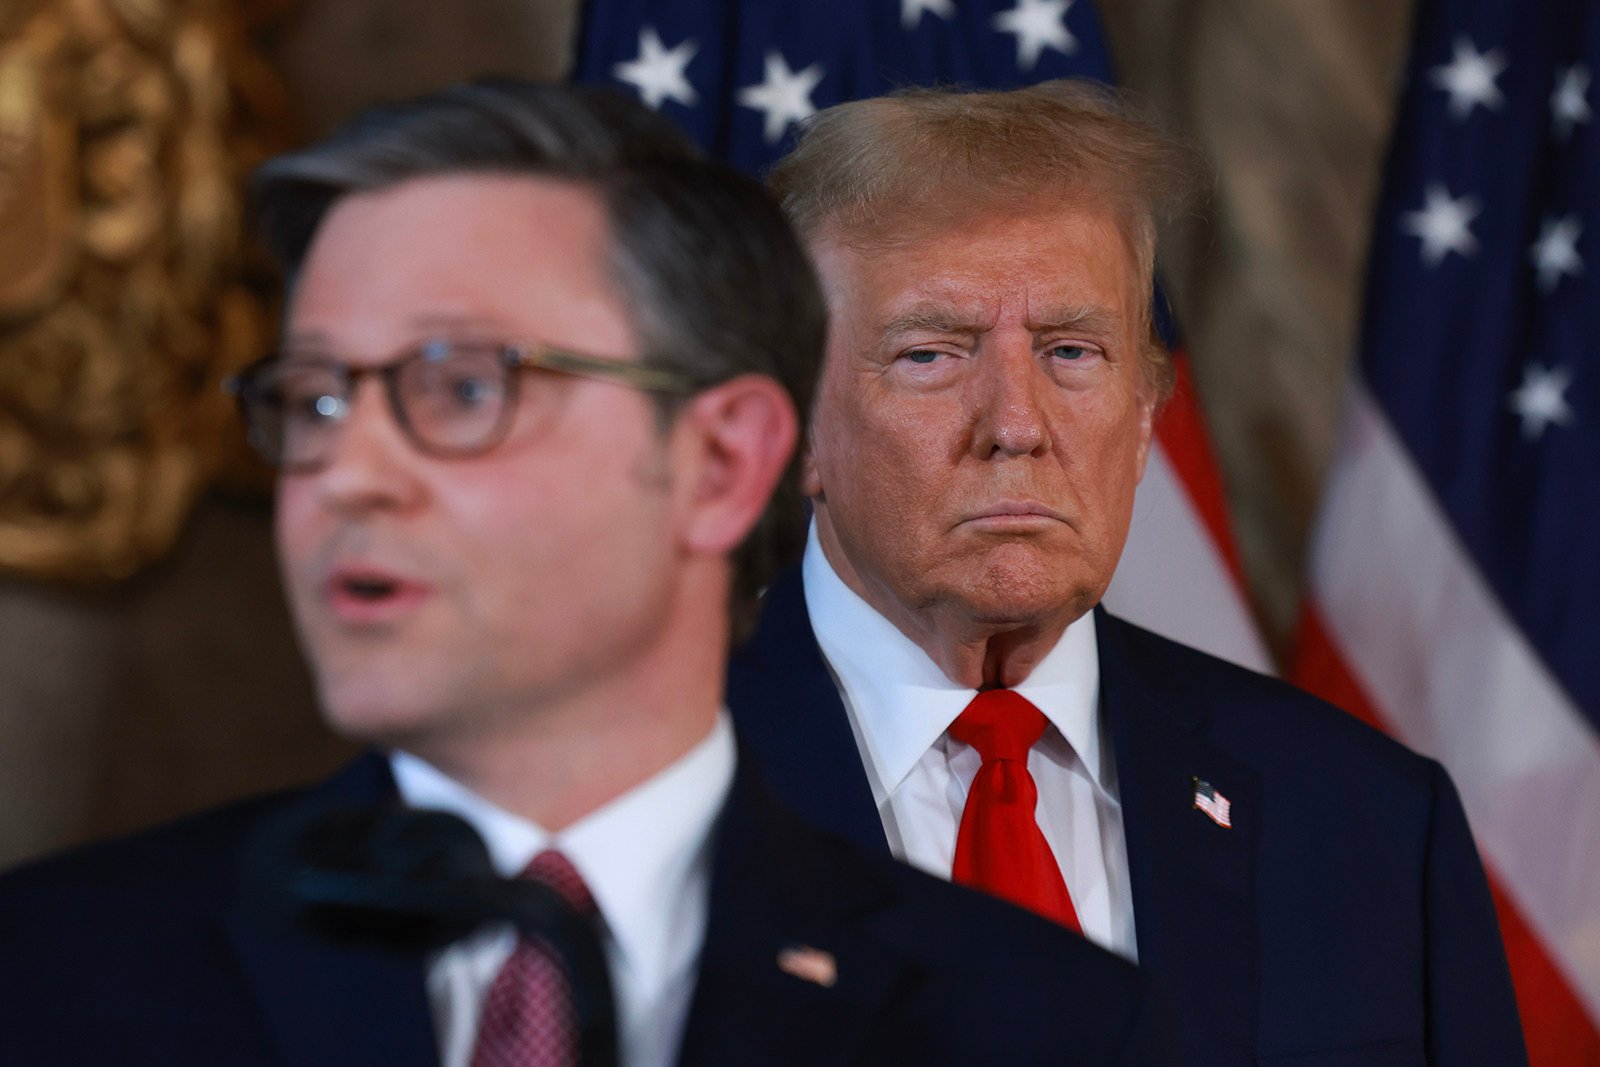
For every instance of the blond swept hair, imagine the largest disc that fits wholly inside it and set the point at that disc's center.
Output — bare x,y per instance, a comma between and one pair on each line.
874,172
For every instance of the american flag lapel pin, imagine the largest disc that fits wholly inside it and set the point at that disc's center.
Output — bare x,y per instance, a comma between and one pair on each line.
809,965
1216,806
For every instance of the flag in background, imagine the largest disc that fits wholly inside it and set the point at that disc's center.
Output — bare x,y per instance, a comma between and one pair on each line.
740,75
1454,594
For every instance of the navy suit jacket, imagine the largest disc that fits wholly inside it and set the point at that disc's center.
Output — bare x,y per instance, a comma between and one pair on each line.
1343,919
139,951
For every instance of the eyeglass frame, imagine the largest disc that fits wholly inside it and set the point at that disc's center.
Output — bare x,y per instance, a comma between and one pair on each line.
515,355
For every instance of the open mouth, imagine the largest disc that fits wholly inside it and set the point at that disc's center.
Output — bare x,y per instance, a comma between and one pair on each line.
372,596
368,589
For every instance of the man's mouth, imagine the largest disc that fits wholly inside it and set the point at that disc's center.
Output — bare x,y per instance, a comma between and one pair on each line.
369,588
366,594
1017,512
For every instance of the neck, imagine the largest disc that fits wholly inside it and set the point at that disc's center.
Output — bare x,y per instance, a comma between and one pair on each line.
573,754
975,654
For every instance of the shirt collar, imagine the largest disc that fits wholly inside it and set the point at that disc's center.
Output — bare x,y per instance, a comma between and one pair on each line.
640,855
902,701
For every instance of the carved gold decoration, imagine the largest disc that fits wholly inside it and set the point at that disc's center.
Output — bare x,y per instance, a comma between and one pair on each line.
127,292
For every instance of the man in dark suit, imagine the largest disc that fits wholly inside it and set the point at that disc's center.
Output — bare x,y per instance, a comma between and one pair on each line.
1306,888
543,368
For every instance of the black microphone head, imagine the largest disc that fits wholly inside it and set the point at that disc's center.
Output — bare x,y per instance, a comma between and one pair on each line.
389,877
413,881
393,841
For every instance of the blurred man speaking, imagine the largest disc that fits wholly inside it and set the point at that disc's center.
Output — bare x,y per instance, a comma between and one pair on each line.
937,680
542,369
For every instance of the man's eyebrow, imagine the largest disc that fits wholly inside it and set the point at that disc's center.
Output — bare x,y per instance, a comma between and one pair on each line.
940,318
932,318
438,323
455,320
313,339
1092,318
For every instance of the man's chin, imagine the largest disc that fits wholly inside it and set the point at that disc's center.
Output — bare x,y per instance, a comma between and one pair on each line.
376,714
1027,572
1013,598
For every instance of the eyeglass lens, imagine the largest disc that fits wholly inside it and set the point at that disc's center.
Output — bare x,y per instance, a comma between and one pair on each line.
450,400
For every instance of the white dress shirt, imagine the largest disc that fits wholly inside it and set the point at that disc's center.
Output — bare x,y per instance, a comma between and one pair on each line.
901,705
646,857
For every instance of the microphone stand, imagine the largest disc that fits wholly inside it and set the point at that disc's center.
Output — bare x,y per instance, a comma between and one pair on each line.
414,881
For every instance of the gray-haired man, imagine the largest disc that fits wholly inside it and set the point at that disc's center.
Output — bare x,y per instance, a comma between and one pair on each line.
1306,888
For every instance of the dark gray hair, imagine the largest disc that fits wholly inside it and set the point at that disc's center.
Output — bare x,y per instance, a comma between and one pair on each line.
716,283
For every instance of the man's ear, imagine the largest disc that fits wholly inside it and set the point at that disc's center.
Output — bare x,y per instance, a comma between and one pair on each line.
743,432
1151,389
1147,420
810,479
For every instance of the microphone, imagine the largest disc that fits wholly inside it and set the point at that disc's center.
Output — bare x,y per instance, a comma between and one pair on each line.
414,881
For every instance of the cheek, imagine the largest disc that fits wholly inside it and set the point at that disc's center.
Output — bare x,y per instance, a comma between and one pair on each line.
1110,461
835,433
294,521
580,524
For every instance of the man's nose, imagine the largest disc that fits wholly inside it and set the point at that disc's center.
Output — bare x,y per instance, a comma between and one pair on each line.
1012,417
371,464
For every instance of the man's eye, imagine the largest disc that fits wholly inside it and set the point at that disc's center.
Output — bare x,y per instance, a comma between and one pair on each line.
1069,353
459,387
324,406
309,404
922,355
469,392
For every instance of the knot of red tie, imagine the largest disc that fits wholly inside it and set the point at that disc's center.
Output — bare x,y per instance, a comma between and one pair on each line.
556,871
1000,724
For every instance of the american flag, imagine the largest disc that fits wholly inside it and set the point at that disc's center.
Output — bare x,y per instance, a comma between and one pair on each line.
1213,803
1455,577
741,75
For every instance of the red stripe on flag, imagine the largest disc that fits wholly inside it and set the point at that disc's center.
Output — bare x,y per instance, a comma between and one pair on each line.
1558,1030
1317,667
1181,429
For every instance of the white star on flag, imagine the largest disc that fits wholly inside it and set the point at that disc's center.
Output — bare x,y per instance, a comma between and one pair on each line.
1469,78
1444,224
1555,253
1038,24
659,73
911,11
1569,104
1541,399
784,95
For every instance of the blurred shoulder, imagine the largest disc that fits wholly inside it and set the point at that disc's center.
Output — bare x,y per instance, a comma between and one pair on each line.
181,866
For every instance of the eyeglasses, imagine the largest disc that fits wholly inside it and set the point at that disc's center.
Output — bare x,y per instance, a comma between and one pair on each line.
450,398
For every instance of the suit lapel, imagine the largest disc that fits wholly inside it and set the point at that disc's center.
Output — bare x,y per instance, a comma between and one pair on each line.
789,714
1193,880
326,1005
778,886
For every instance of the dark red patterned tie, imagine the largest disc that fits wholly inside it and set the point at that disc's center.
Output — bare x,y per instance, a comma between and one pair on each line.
528,1018
1000,848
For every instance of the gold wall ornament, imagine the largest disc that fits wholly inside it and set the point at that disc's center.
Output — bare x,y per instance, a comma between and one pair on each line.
127,292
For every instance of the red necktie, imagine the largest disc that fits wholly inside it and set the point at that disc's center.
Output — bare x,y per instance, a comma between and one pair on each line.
528,1018
1000,848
